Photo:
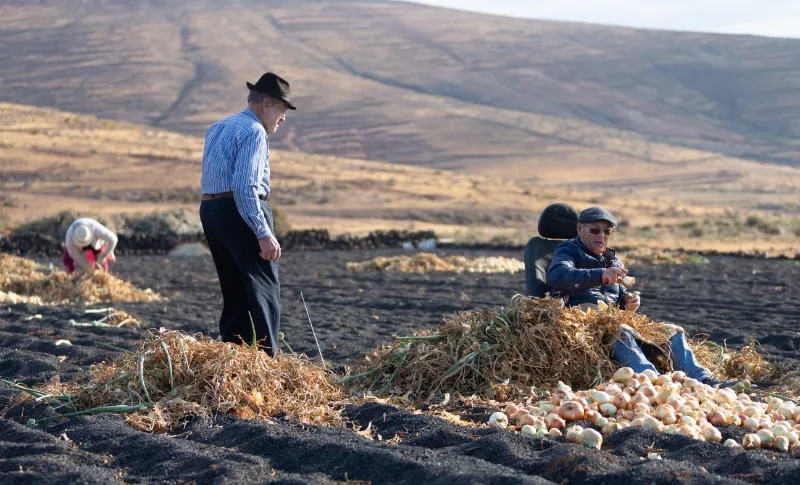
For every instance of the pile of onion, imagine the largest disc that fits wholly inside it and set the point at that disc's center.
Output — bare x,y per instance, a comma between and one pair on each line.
669,403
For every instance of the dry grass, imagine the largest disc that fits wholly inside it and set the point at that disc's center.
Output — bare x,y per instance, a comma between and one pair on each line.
429,262
174,376
530,344
24,280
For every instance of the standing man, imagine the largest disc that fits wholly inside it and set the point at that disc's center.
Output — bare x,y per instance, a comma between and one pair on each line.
236,215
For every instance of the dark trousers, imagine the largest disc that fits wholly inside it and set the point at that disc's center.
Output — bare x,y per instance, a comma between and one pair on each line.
249,283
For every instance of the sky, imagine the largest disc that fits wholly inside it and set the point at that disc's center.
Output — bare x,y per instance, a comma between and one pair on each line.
774,18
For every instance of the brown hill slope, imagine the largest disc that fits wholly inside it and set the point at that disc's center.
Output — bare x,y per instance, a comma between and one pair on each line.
393,81
52,160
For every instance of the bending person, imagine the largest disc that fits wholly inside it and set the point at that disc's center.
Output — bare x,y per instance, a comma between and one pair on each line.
586,271
88,244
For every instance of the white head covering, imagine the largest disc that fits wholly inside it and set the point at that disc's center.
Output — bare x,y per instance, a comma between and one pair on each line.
81,235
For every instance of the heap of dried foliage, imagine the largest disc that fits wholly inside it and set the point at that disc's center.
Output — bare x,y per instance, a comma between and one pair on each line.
530,344
25,281
174,376
428,262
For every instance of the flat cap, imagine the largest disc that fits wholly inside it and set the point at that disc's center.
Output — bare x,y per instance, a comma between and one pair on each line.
597,214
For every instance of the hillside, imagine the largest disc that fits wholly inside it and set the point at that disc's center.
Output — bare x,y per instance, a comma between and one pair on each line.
381,80
52,160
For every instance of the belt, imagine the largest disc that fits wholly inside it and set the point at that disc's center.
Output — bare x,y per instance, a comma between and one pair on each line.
229,194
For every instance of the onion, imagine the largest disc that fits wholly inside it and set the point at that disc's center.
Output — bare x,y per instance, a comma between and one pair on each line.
781,443
796,450
571,411
766,437
560,394
711,433
623,375
539,413
554,433
722,397
641,378
529,430
519,414
663,379
556,422
651,423
779,430
752,412
663,410
676,402
751,423
511,409
591,438
621,400
574,433
731,443
527,420
629,415
563,387
540,433
608,409
669,419
687,430
796,416
591,416
547,407
793,436
735,420
717,417
678,376
499,420
640,398
601,422
634,384
611,428
650,374
642,409
688,420
629,391
653,456
751,441
600,397
637,423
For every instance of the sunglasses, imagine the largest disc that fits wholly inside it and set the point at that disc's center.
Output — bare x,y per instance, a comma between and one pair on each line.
597,230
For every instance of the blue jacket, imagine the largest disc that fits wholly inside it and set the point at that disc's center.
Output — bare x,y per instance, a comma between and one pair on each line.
577,275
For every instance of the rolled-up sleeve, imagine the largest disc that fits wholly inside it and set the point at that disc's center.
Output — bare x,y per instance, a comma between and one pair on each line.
251,161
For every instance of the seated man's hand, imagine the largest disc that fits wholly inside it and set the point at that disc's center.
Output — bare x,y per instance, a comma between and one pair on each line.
632,302
613,275
111,258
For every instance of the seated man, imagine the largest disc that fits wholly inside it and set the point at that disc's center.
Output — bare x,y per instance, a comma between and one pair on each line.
88,244
586,271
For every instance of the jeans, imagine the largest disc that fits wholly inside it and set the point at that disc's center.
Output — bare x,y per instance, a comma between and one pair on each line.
628,353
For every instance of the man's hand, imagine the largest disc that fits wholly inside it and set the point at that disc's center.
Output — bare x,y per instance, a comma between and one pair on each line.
269,248
632,302
613,275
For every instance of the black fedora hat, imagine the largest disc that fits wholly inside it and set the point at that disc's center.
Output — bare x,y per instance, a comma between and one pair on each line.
273,86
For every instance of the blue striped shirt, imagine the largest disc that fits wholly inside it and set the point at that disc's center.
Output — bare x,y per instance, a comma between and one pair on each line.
236,159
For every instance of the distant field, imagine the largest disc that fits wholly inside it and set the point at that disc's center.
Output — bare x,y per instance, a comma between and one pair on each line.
52,160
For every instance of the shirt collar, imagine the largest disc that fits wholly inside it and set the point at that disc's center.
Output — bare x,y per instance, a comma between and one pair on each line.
249,112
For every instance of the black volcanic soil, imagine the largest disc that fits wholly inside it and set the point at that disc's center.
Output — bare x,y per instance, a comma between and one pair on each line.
731,299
